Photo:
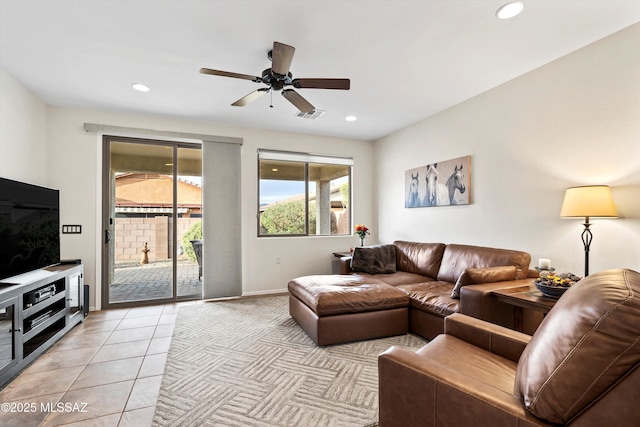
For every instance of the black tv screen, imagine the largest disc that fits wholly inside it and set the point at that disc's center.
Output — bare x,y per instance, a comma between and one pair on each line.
29,227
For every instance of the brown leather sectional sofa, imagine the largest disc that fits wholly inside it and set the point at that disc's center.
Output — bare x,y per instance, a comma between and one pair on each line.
415,297
580,368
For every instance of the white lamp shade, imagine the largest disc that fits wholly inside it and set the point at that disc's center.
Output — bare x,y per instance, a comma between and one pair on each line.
588,201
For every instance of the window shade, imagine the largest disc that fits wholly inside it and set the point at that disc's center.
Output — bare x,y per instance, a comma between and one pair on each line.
304,157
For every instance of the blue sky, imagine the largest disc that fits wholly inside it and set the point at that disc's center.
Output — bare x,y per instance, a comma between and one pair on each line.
272,190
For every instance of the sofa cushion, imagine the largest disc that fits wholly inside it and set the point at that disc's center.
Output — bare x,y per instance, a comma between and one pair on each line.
399,278
457,258
473,276
374,259
587,342
419,258
328,295
433,297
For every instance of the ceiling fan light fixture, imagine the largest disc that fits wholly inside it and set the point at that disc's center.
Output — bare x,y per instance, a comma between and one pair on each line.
140,87
509,10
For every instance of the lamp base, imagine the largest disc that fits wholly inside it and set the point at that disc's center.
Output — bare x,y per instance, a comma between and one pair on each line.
587,237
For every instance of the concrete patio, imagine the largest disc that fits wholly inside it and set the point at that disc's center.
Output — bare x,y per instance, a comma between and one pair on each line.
134,282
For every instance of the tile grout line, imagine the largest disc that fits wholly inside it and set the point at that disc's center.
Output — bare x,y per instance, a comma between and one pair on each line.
166,318
50,415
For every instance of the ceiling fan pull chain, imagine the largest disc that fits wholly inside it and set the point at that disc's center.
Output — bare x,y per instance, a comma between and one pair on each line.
271,104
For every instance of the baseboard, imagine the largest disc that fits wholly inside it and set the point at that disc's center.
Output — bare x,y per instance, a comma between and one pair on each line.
248,295
272,292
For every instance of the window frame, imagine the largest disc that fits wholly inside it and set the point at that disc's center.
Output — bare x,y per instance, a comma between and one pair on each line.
305,159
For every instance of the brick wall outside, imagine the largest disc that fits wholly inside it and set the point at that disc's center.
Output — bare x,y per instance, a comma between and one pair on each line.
132,233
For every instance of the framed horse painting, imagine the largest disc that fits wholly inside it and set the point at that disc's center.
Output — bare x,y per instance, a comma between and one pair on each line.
438,184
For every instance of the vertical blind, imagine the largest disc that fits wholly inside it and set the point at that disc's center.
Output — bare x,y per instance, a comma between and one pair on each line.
221,234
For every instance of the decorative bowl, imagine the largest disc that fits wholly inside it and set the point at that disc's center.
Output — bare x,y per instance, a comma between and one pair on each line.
553,285
551,291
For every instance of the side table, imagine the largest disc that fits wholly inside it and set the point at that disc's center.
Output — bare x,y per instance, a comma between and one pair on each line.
335,264
341,254
522,297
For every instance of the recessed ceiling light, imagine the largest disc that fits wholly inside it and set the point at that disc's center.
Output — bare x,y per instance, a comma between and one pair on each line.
140,87
274,169
351,118
510,10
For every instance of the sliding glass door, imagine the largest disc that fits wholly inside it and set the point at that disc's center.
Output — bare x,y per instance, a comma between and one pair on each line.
152,221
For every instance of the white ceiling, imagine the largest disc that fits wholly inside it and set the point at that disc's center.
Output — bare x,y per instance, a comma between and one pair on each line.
407,60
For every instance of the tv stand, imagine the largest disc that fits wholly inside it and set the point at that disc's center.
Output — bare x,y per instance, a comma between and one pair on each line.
36,310
26,278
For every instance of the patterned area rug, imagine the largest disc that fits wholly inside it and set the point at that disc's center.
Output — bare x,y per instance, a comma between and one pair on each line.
247,363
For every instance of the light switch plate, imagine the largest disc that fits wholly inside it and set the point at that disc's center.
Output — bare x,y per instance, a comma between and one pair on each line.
71,229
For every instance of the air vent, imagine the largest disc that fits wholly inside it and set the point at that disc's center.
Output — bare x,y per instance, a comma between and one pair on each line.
312,115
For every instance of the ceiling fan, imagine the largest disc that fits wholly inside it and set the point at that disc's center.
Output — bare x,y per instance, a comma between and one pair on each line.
278,77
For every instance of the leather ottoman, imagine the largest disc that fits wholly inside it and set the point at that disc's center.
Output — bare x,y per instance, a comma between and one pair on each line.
335,309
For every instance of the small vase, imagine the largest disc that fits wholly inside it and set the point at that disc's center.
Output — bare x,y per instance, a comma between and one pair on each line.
362,241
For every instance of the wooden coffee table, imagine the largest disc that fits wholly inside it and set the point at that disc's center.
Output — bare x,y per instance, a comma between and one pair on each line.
522,297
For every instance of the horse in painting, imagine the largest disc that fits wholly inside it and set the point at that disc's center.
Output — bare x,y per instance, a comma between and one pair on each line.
413,200
431,197
455,182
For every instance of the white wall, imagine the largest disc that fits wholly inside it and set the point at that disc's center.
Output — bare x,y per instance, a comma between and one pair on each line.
22,133
77,162
575,121
571,122
47,145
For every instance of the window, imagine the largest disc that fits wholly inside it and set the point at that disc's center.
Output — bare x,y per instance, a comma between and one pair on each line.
303,194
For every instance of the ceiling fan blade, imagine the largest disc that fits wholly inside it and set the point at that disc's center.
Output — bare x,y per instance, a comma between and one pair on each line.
281,57
251,97
229,74
342,84
296,99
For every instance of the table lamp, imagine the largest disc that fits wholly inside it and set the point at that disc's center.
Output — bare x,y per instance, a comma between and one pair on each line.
588,202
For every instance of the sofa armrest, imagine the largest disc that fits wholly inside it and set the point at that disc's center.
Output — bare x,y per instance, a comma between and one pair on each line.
345,265
415,390
494,338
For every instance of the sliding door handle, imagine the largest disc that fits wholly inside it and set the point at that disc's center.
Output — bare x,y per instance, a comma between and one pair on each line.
107,236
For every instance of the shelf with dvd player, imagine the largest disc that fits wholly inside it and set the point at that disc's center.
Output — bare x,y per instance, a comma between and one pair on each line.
40,296
31,308
32,323
38,309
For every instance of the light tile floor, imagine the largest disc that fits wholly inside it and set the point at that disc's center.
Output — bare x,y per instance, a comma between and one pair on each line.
105,372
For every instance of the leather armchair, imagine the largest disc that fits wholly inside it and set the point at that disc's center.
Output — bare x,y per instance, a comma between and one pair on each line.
580,368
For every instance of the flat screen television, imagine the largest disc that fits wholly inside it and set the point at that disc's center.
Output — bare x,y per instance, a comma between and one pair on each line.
29,227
